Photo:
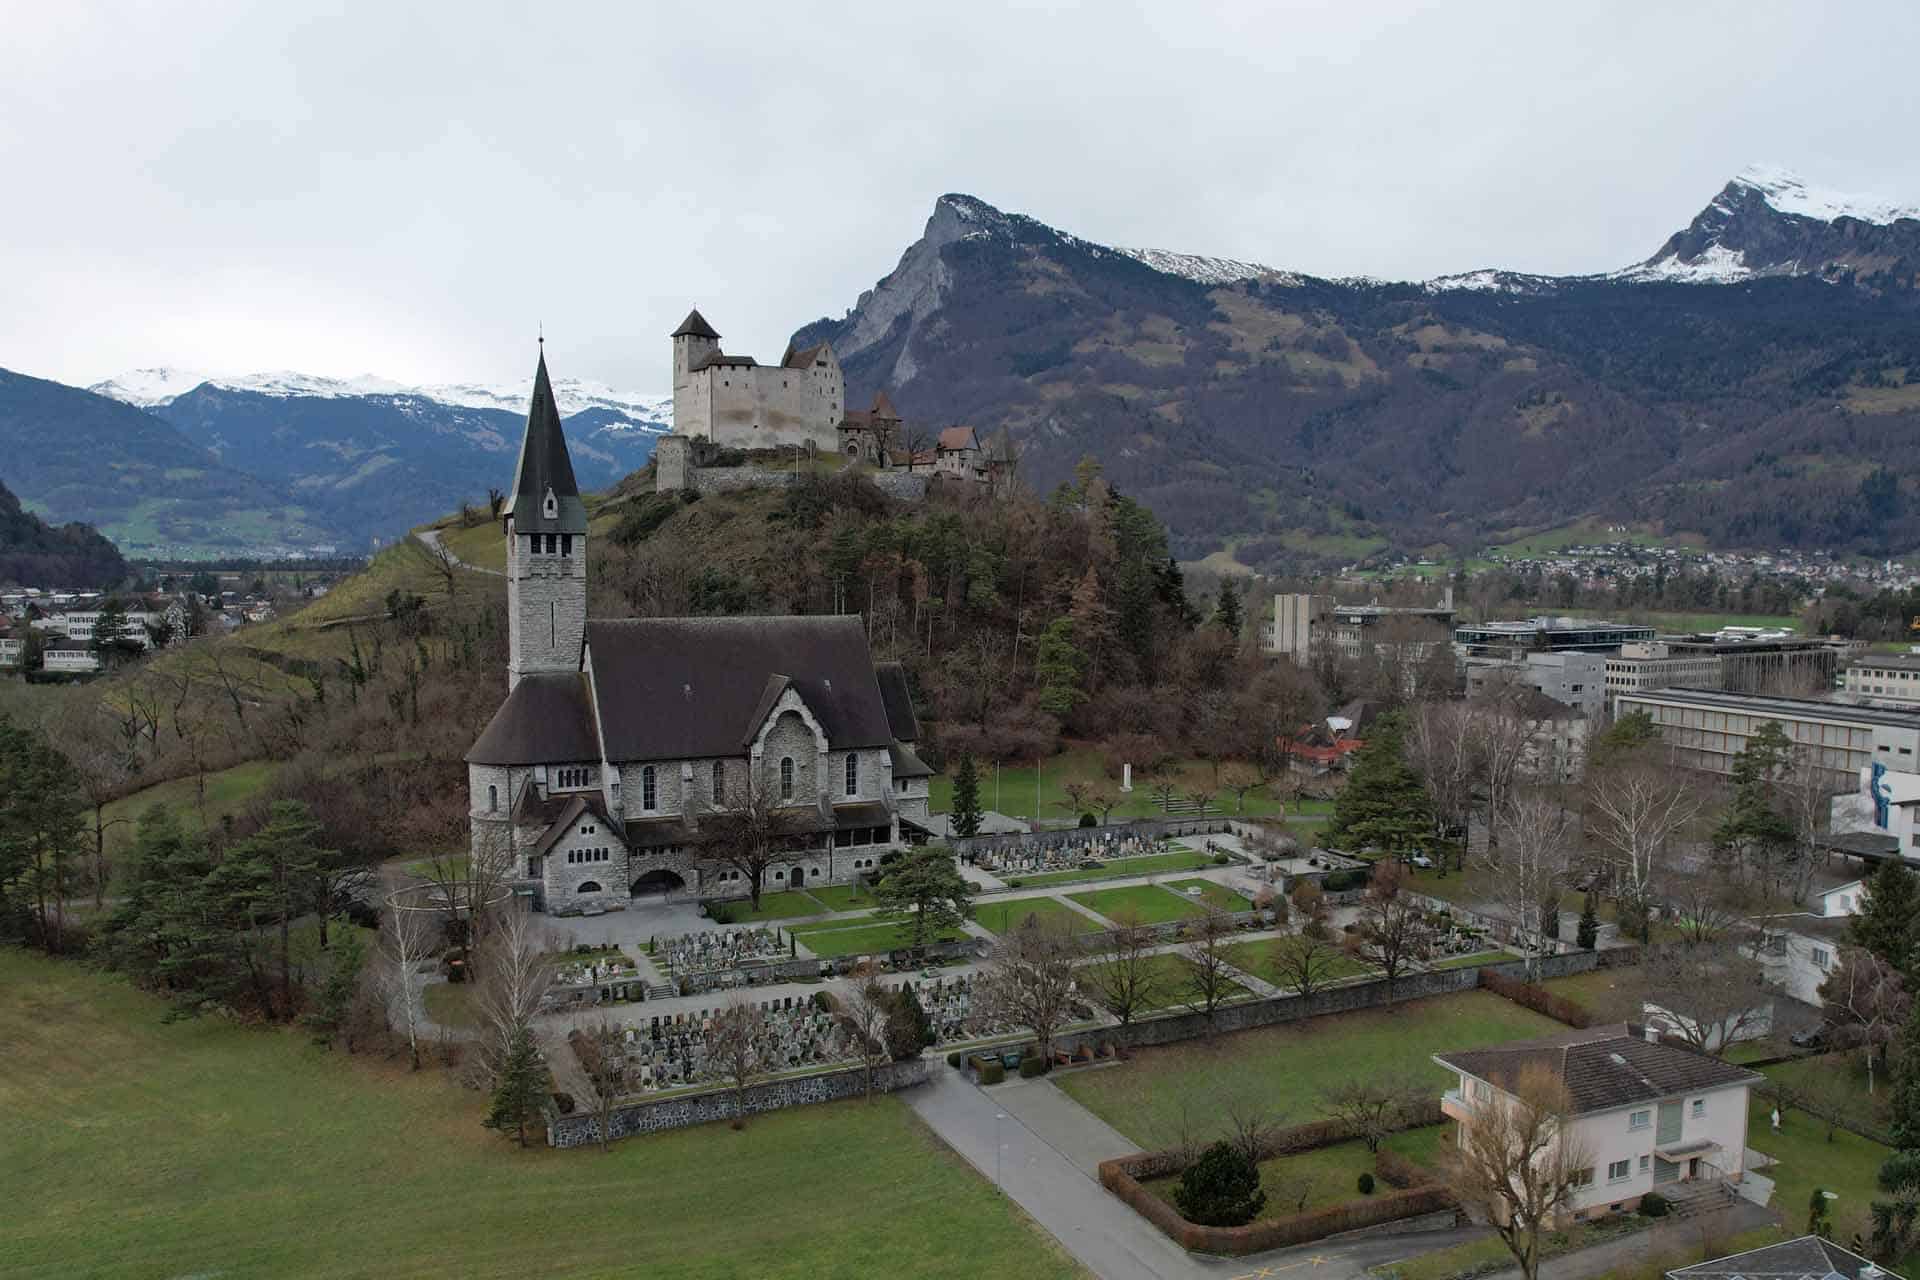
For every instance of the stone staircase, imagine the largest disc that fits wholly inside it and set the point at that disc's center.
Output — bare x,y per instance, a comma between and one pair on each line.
1182,807
1702,1195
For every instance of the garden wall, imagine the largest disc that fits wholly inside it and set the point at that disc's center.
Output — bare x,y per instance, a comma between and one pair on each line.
582,1128
1157,828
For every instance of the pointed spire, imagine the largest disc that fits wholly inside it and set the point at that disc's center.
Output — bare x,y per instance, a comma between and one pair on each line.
545,497
696,326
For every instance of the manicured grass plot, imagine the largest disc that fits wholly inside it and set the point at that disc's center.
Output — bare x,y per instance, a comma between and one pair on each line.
1217,895
1151,864
832,939
1005,915
1148,1097
844,897
1474,961
778,905
1149,903
1171,984
130,1147
1261,958
1297,1183
1805,1159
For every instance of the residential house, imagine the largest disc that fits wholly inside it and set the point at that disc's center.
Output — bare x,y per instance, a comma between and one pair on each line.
1807,1258
1798,950
1646,1114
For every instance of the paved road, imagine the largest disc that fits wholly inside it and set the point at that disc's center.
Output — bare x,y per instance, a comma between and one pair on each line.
431,539
1024,1120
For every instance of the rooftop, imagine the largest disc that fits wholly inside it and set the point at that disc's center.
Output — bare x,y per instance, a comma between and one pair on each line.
1792,708
1602,1067
1808,1258
1528,626
1887,662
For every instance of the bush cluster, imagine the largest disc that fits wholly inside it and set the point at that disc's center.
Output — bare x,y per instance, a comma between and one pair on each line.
1537,998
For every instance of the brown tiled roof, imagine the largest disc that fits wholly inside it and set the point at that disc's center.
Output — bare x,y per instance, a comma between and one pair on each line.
802,358
897,697
688,688
883,407
654,833
1602,1067
695,325
545,720
866,813
958,438
856,418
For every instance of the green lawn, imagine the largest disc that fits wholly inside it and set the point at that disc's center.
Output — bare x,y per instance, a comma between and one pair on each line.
137,1148
1003,915
843,897
782,905
834,939
1172,983
1475,960
453,866
451,1004
1014,793
1217,894
1297,1183
1846,1166
227,793
1151,864
1257,958
1841,1079
1290,1065
1148,902
1599,990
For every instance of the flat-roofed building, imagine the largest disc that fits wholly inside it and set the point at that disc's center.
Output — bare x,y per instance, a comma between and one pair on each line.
1514,640
1894,677
1652,664
1303,624
1708,728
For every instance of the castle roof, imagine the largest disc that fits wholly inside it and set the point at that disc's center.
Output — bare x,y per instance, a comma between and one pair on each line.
544,469
883,407
546,719
717,358
695,326
687,688
956,438
802,358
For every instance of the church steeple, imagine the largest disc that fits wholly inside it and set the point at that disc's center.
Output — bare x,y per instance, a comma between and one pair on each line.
546,528
544,497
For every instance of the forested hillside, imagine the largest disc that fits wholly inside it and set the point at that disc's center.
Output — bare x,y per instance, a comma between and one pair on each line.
34,553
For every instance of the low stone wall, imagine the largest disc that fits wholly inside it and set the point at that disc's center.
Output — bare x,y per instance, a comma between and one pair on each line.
906,486
581,1129
733,479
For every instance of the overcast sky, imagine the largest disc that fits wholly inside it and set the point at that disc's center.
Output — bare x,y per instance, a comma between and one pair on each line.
407,189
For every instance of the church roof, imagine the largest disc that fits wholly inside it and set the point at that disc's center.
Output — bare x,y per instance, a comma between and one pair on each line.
687,688
906,764
567,810
545,720
898,700
544,468
695,325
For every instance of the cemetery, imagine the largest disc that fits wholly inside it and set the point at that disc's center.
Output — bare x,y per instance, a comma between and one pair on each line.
721,949
674,1051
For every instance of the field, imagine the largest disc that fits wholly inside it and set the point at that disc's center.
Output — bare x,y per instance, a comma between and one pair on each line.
1172,985
1257,958
1845,1166
228,791
843,897
837,939
1217,894
1151,864
139,1148
1150,904
776,905
1003,915
1289,1066
1009,789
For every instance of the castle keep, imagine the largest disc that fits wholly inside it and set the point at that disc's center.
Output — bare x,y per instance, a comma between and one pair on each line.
736,403
618,738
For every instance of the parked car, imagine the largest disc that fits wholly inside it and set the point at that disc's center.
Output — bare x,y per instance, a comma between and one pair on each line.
1810,1038
1422,861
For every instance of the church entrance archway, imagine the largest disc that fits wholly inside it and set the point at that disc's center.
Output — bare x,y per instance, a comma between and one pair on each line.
658,881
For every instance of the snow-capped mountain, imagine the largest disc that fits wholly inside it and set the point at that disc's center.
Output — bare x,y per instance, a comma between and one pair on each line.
1205,270
152,388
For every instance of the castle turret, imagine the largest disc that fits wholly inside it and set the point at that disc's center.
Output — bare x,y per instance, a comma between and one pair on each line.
693,342
545,524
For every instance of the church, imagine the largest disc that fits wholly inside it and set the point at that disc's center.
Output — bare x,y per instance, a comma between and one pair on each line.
618,736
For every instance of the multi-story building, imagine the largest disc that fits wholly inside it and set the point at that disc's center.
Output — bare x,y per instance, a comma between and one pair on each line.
1708,728
1573,679
1644,1114
1305,624
1652,664
1891,677
1513,641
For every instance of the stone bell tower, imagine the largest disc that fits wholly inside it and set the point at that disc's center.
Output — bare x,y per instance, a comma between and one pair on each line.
546,529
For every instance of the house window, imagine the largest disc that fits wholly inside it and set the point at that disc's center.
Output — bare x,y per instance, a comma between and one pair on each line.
1822,958
853,774
493,799
786,777
1619,1170
1581,1178
649,794
1645,1163
1639,1120
566,544
719,781
1699,1108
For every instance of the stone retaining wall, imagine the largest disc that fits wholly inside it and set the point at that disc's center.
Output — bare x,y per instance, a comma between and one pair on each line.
582,1128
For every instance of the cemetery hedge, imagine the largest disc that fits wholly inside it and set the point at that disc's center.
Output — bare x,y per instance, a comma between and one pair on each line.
135,1147
1537,998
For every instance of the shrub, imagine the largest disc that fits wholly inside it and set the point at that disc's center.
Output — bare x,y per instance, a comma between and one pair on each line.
1088,820
953,1060
1537,998
1031,1067
992,1073
1221,1188
1365,1184
1221,859
1013,884
563,1103
1653,1205
720,912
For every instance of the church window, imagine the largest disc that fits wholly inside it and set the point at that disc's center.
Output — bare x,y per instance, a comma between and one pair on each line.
566,544
786,777
853,774
493,799
649,794
719,781
588,886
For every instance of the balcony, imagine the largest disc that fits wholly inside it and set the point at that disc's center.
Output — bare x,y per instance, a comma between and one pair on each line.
1455,1107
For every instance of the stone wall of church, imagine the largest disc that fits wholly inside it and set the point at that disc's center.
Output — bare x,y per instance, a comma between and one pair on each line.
790,737
668,796
590,853
546,607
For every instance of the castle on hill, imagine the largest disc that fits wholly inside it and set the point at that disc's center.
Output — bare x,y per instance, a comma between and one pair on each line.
619,738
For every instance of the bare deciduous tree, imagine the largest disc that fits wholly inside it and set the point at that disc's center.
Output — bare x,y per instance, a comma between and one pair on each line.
1867,1003
406,940
1305,962
1209,975
1635,808
745,834
1527,871
1443,746
737,1044
513,975
1518,1163
1393,933
1707,995
602,1056
1029,980
1124,978
865,1007
1372,1109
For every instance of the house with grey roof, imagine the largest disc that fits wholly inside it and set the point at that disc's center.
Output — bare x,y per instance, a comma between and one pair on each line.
618,737
1807,1258
1647,1114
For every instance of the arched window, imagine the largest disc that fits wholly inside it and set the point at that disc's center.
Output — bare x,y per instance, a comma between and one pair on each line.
853,773
493,799
649,793
786,777
588,886
719,781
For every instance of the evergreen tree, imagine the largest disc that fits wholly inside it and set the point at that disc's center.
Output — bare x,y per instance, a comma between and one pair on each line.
518,1089
1895,1216
1384,805
1589,932
282,862
334,1001
1226,610
1885,925
1753,825
1903,1108
1058,667
925,889
113,638
966,799
908,1030
1221,1188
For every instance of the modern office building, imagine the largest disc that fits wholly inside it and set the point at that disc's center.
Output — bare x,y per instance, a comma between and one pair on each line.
1708,728
1890,677
1514,640
1303,624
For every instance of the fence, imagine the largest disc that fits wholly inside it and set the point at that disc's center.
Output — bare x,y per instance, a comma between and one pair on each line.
582,1128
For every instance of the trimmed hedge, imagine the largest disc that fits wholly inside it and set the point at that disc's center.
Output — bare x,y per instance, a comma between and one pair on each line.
1397,1171
1031,1067
1537,998
992,1073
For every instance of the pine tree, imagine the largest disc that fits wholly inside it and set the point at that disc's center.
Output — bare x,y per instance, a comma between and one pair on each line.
925,890
1226,611
1384,805
334,1001
1903,1108
966,799
1589,932
908,1030
1058,667
516,1093
1885,925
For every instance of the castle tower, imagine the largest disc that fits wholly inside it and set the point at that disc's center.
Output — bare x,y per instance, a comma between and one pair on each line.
546,528
693,342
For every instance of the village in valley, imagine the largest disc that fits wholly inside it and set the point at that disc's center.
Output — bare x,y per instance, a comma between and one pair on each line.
1281,929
